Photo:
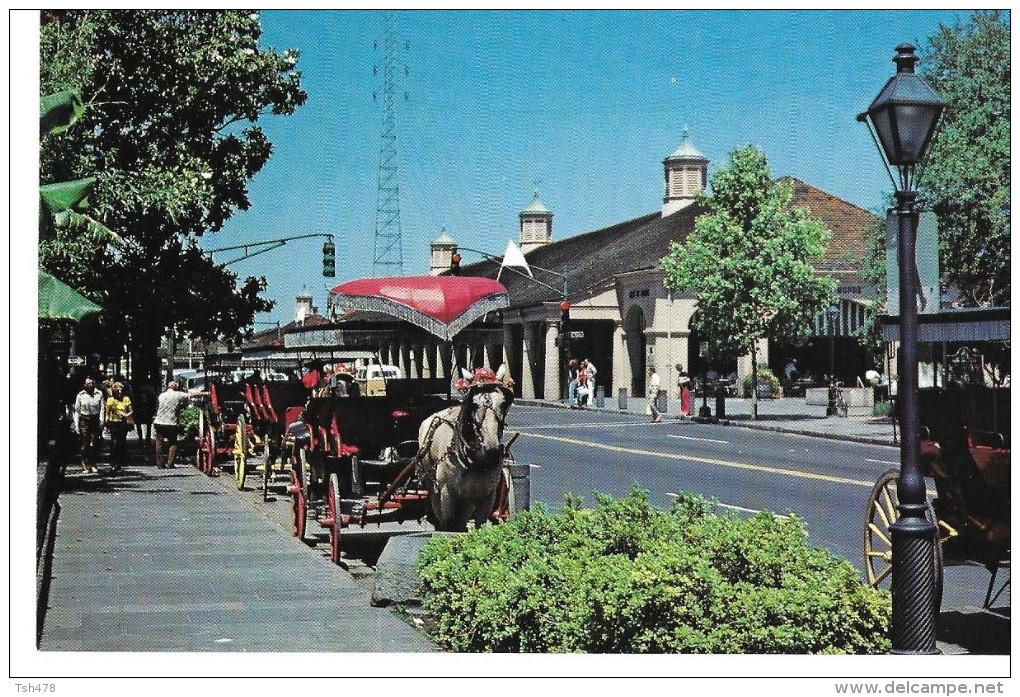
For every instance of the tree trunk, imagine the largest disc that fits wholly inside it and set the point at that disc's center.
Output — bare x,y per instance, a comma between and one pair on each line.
145,358
754,383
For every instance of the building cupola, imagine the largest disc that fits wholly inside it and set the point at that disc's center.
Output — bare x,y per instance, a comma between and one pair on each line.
536,226
686,173
441,253
303,305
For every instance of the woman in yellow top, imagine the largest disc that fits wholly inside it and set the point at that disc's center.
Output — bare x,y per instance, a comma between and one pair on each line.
119,415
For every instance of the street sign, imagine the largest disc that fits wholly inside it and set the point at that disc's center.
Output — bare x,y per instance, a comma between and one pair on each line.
576,335
76,360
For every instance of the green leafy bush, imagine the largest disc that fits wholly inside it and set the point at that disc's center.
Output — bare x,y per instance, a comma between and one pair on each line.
765,377
624,577
188,422
882,409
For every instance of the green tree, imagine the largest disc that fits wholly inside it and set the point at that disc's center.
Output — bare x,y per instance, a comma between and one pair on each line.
966,179
170,131
749,261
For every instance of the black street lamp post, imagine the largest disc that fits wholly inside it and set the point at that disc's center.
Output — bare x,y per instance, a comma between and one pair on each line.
902,120
832,313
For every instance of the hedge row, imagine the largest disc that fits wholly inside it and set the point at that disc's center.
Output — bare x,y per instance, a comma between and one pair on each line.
624,577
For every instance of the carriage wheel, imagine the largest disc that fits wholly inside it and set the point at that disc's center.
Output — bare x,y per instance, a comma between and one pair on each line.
334,514
240,453
267,472
200,439
205,452
883,511
210,462
299,506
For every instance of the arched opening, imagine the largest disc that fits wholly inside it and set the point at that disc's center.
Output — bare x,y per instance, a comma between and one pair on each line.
637,347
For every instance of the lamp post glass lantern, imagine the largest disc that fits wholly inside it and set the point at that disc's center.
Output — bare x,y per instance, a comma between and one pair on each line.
902,120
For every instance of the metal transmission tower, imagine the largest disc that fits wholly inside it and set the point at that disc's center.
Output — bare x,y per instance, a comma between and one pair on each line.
388,258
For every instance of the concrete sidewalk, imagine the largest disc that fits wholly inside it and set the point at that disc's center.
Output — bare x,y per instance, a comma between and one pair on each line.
169,560
787,415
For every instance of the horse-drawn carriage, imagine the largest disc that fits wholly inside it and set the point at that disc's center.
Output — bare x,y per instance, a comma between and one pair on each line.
427,451
241,425
965,452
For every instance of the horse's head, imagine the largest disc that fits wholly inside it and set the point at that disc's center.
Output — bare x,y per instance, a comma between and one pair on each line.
482,419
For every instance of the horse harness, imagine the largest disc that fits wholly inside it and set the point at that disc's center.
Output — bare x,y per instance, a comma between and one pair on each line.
457,450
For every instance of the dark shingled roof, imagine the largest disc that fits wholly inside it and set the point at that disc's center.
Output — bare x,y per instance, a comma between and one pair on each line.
590,261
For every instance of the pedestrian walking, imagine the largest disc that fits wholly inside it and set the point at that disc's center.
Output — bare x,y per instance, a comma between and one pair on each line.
88,409
591,371
169,406
144,402
654,387
119,418
683,390
572,383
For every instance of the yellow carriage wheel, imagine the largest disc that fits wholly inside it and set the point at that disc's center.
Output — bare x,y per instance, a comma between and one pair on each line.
240,452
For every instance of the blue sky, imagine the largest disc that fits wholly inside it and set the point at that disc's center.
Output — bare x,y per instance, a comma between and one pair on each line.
586,103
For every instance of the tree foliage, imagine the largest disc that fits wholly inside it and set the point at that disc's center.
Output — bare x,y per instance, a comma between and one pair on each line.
749,261
966,180
169,129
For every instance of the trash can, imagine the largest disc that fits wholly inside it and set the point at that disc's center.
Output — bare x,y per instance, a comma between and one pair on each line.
621,399
720,402
600,396
661,402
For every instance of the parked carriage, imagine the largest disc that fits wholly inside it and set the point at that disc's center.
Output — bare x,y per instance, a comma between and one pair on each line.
965,453
357,459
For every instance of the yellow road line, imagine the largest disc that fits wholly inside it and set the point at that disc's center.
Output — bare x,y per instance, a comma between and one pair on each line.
706,460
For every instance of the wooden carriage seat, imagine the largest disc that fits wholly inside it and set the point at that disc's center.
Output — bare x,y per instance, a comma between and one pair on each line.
268,404
990,453
966,501
291,415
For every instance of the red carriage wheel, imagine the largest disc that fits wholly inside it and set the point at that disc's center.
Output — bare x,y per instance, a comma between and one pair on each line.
299,506
335,517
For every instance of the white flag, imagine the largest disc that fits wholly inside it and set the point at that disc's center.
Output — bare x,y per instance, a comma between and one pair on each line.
513,256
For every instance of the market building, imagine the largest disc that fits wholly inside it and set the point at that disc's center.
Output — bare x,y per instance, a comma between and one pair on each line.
623,318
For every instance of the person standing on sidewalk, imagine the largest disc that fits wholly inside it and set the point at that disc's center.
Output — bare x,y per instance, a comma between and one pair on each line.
88,406
654,386
169,406
119,417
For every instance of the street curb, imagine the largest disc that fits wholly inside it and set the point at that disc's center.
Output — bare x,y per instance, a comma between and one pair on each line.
724,422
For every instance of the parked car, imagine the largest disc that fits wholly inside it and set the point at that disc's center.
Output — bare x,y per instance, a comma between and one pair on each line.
372,378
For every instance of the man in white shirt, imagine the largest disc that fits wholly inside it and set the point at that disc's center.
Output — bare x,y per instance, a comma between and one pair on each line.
654,385
88,406
167,423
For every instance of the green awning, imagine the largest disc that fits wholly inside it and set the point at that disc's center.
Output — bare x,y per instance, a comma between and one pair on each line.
57,300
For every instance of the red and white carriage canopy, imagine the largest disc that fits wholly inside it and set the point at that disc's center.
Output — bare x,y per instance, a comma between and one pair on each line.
441,305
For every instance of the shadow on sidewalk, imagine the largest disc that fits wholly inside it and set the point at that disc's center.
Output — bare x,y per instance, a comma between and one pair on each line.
981,632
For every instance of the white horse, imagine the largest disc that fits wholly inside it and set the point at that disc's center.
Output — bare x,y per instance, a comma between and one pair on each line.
461,457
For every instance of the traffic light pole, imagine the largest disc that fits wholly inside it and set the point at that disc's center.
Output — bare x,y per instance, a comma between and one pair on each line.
328,250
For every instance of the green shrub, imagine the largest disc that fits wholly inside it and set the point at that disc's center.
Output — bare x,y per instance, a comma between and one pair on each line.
882,409
188,422
765,376
624,577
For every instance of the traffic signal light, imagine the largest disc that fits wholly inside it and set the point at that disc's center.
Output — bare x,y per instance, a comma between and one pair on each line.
329,259
455,263
565,320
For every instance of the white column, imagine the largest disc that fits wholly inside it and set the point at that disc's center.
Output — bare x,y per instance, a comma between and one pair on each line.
622,375
428,356
552,362
527,379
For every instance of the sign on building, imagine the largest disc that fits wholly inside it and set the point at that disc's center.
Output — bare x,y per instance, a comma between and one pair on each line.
929,288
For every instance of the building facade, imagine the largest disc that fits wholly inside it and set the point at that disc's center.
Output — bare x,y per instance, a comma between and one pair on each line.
622,317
